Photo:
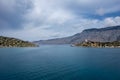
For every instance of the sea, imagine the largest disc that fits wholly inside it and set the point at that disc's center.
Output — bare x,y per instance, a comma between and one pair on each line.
59,62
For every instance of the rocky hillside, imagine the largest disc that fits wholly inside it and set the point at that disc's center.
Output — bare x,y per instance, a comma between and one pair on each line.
12,42
107,34
115,44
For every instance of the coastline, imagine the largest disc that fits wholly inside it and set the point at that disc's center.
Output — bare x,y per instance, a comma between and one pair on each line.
114,44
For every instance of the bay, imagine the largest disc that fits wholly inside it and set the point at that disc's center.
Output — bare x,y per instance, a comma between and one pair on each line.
59,62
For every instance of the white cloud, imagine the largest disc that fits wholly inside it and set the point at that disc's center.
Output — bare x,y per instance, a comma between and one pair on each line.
60,17
32,34
44,19
112,21
44,32
85,23
42,12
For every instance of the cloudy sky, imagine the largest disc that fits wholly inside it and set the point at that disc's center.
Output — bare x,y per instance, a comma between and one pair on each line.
45,19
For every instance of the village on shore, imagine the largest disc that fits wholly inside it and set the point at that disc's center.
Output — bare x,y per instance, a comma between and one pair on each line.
87,43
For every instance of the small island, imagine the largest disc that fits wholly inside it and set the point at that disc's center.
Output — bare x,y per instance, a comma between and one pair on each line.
86,43
13,42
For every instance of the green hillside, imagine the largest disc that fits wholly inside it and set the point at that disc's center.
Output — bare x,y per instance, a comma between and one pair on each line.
12,42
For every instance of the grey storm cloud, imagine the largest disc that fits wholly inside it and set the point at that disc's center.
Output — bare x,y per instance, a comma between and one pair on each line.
44,19
11,12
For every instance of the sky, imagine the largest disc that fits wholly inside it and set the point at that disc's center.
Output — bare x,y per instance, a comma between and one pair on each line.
46,19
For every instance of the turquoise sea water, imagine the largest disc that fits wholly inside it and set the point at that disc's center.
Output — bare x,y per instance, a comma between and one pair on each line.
59,62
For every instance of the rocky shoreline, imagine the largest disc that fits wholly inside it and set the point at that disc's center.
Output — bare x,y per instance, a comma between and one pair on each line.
115,44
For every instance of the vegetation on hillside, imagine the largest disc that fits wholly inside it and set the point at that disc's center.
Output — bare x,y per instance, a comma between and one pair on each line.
12,42
99,44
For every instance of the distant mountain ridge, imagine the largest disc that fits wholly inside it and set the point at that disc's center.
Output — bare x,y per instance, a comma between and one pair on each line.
108,34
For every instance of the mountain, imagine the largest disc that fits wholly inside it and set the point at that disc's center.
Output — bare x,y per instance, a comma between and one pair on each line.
13,42
108,34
